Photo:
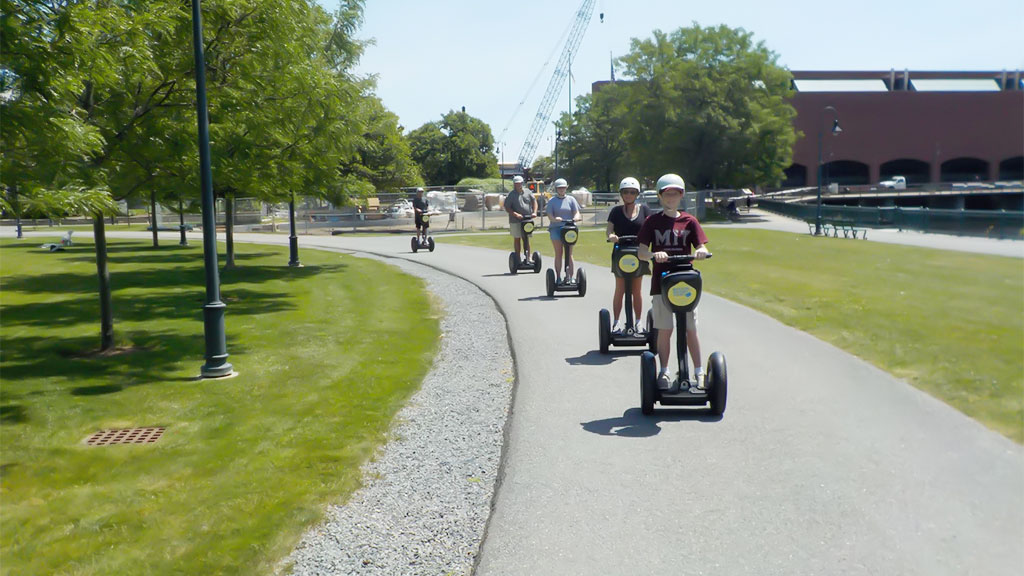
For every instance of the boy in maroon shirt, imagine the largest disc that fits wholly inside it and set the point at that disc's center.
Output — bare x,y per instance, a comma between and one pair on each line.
672,232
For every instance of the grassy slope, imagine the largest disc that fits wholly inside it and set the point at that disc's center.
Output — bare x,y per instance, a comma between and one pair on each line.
246,463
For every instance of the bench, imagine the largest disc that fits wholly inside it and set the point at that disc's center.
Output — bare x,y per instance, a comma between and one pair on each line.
834,227
373,204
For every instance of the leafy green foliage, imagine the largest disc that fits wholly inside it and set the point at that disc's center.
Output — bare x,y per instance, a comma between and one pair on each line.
707,103
457,147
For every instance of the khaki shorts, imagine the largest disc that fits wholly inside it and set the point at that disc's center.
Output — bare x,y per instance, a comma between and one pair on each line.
664,318
516,228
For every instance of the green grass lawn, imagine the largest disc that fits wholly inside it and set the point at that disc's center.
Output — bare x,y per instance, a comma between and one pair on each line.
950,323
326,355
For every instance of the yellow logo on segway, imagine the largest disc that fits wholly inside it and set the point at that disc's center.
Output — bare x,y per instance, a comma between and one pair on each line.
570,236
629,263
682,294
528,227
426,218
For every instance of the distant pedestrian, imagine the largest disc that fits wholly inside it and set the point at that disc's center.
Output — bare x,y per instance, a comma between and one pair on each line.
420,206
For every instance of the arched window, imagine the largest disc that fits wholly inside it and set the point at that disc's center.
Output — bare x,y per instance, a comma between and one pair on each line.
1012,168
964,170
915,171
796,176
845,173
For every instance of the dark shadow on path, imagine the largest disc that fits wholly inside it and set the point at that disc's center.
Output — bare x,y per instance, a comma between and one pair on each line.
543,298
595,358
633,423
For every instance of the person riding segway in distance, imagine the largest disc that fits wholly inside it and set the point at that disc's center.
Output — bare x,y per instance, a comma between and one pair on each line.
420,207
561,209
626,220
672,232
519,204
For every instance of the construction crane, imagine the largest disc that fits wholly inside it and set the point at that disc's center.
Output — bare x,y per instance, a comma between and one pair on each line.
547,105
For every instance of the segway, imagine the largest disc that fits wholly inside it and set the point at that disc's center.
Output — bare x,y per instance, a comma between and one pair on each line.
681,289
426,242
569,234
626,259
515,264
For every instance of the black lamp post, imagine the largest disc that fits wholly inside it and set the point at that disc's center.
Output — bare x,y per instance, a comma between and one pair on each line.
558,138
213,312
293,240
501,167
835,132
181,224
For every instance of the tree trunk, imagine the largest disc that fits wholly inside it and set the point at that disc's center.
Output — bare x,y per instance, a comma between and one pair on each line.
152,218
106,314
229,230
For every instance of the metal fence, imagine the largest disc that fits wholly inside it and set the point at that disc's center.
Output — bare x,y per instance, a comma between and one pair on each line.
989,223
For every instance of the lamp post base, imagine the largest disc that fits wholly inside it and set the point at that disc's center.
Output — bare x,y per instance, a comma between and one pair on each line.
293,244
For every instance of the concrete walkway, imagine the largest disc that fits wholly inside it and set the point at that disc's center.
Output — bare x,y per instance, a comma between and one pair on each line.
822,463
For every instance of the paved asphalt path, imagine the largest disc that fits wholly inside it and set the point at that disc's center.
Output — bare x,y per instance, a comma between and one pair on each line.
822,464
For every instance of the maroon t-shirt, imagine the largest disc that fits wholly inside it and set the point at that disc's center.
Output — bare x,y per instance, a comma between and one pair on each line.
676,236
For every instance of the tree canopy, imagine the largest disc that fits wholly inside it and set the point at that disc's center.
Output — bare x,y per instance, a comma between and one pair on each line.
707,103
458,146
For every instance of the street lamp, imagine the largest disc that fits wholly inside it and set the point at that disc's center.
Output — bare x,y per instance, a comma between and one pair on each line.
501,166
213,312
558,138
181,224
836,130
293,240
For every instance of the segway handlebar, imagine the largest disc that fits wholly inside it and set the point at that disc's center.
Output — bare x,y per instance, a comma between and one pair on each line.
682,258
625,240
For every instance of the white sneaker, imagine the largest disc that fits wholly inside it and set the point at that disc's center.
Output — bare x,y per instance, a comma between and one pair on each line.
699,380
664,382
617,328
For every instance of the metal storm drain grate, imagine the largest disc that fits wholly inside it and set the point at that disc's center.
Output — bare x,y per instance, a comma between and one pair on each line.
126,436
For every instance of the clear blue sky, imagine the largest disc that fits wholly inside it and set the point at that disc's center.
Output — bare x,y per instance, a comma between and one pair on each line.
433,56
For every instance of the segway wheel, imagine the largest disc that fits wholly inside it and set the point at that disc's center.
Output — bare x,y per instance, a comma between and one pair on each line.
430,244
550,282
604,329
581,282
717,383
513,263
415,244
652,334
536,262
648,383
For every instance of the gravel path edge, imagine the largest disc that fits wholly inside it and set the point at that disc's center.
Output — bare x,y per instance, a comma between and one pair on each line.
425,506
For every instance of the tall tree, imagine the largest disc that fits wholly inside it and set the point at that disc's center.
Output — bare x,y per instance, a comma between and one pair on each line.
59,60
709,103
457,147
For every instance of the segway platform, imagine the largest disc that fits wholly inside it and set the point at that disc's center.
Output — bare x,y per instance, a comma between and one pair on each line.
681,289
531,264
426,244
626,261
569,235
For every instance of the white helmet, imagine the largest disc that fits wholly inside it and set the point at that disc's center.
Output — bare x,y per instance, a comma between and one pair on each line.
671,181
517,180
560,183
629,182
